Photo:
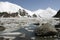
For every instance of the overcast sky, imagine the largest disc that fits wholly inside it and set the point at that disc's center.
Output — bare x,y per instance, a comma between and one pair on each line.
36,4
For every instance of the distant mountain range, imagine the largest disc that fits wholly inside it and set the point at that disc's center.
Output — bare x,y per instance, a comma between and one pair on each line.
13,8
49,12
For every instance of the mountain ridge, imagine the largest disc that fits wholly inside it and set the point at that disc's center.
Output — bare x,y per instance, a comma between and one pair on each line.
11,8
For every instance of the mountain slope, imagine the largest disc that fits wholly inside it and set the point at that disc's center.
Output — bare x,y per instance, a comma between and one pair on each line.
9,7
12,8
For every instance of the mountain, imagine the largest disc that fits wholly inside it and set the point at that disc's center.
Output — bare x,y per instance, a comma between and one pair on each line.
13,8
49,12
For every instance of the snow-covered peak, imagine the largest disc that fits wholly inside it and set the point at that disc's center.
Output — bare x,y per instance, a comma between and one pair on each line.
47,13
50,9
9,7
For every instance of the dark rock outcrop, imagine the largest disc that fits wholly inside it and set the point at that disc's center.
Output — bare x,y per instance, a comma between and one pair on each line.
58,14
34,15
23,13
14,14
5,14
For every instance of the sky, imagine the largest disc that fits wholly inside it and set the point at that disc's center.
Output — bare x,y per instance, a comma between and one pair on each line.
36,4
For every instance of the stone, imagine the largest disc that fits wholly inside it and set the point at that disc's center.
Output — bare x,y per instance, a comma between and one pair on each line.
46,30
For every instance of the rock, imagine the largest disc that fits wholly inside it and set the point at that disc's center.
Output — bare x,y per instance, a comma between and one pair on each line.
57,26
34,15
46,30
5,14
2,28
36,23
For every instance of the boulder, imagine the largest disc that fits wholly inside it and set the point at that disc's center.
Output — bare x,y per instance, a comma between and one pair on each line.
46,30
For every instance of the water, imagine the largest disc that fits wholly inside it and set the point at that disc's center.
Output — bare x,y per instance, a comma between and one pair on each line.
30,35
14,25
